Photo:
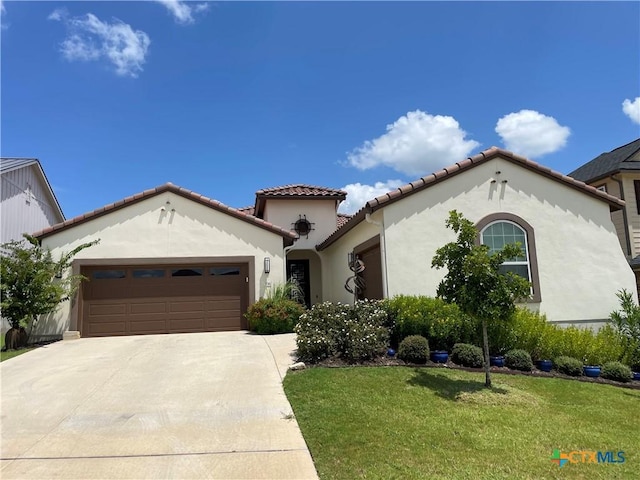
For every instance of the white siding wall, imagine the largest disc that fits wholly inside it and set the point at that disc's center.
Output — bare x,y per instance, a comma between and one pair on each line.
22,212
143,231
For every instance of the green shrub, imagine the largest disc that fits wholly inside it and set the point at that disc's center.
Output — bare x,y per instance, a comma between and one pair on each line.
467,355
353,333
518,360
433,318
532,332
616,371
273,315
568,366
414,349
626,323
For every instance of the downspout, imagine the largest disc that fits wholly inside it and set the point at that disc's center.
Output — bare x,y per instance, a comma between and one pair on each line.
625,220
383,253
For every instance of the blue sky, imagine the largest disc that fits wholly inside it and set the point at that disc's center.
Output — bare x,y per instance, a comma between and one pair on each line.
226,98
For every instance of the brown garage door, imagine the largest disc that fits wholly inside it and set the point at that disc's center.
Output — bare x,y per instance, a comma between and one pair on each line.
134,300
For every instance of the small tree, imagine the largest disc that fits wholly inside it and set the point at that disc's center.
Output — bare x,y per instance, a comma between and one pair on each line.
474,281
627,324
32,283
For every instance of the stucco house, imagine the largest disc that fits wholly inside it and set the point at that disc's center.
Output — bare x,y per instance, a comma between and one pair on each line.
618,173
171,260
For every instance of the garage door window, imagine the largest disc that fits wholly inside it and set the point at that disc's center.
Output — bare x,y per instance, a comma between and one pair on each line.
148,273
224,271
109,274
186,272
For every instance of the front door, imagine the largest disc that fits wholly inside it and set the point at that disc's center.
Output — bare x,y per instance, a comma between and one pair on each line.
298,271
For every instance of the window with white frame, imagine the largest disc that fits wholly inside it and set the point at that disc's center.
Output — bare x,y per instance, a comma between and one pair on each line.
500,233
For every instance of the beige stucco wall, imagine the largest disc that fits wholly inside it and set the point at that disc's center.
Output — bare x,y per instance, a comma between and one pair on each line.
334,259
633,218
580,260
185,230
321,213
617,217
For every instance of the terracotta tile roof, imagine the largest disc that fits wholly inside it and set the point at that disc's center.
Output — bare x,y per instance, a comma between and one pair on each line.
452,170
168,187
298,190
342,219
248,210
301,190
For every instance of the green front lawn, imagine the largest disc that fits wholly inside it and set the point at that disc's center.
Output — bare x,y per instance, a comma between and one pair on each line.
11,353
416,423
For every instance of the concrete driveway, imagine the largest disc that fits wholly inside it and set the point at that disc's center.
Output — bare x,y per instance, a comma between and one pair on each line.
199,405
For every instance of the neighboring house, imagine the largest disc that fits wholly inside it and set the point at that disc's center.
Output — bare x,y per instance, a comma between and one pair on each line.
171,260
28,202
618,173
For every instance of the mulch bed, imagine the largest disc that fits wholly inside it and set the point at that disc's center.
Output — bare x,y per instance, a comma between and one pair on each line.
386,361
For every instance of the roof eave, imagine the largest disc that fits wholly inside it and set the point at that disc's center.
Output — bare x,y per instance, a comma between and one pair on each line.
462,166
213,204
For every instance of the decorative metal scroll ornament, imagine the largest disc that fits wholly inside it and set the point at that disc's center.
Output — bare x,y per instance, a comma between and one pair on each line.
357,267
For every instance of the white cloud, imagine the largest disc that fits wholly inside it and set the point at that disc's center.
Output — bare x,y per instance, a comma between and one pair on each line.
3,12
58,14
89,38
182,12
415,144
632,109
358,194
531,133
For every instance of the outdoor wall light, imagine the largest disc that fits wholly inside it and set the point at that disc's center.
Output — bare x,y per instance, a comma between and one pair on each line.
350,258
267,265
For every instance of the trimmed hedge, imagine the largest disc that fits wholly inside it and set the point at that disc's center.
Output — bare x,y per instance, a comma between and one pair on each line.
467,355
568,365
269,316
616,371
414,349
518,360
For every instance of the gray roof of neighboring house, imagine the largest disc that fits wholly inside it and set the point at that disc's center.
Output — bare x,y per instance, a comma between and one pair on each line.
608,163
9,164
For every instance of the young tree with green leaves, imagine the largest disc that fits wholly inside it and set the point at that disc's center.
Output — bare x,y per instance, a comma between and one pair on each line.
627,323
474,281
32,283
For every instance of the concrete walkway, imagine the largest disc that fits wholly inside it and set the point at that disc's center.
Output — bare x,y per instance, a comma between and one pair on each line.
204,405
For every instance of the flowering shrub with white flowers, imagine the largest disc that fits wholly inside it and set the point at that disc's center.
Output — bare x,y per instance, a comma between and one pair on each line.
353,333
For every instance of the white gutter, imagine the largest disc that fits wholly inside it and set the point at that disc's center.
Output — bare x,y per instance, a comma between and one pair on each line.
383,253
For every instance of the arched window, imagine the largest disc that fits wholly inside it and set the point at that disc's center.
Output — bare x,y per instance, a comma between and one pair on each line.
498,234
500,229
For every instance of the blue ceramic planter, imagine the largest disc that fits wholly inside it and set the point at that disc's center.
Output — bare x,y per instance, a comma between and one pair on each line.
544,365
439,356
391,352
636,376
496,361
591,371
